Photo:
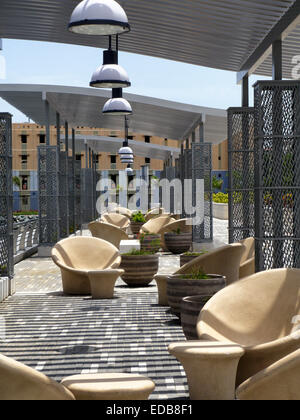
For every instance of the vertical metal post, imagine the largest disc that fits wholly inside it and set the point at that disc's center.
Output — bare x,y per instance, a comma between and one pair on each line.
47,119
277,60
245,91
74,178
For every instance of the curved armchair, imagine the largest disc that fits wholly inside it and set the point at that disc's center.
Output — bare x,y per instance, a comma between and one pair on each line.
116,219
155,212
259,313
124,211
280,381
224,261
181,224
156,225
107,232
20,382
247,267
79,255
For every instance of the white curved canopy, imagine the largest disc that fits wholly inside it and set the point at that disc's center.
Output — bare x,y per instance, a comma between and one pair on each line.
83,107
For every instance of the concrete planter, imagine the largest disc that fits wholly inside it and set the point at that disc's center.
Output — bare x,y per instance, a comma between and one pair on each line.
185,259
136,227
180,286
220,211
191,307
178,243
151,243
139,269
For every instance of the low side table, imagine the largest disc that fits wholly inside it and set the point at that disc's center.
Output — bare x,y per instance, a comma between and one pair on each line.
210,366
109,386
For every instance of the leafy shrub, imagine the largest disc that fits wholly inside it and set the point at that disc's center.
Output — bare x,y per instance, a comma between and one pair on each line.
138,217
220,198
197,275
217,183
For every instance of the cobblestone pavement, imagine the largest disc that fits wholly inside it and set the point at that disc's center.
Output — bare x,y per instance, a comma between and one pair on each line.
61,335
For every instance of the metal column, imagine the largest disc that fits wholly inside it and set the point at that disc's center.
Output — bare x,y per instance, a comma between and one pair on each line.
6,203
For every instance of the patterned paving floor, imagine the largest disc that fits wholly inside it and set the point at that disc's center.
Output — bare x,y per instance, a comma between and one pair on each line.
61,335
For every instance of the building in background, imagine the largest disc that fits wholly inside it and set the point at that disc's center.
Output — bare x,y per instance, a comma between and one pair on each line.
27,137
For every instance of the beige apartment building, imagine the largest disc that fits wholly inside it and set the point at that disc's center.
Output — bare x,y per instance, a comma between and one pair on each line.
27,137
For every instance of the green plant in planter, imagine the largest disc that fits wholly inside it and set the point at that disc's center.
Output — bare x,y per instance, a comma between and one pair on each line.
138,217
139,252
177,231
195,254
197,275
155,243
217,183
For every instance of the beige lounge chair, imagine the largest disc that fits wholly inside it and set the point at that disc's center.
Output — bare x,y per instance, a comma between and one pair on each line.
116,219
156,225
247,267
124,211
79,255
224,261
280,381
155,212
260,313
19,382
109,233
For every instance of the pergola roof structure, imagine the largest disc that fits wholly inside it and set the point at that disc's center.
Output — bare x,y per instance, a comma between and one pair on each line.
223,34
111,145
82,107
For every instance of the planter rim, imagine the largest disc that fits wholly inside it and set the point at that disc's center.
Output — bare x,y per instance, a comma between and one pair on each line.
140,256
178,234
195,298
184,277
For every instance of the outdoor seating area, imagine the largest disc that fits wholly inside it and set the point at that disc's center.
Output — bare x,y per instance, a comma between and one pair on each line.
150,246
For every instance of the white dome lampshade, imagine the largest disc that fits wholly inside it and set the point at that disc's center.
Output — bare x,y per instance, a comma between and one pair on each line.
129,170
127,160
125,150
99,17
110,74
117,105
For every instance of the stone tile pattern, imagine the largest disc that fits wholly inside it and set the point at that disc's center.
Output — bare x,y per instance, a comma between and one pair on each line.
63,335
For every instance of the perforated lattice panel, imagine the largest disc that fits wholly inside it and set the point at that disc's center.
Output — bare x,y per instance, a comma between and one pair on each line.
48,194
78,195
71,187
241,173
6,200
277,179
201,169
63,196
87,201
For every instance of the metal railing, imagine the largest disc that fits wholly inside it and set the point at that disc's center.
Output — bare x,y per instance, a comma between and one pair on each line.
26,238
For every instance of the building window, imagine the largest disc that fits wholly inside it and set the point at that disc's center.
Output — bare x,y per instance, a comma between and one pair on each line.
25,201
42,138
78,157
147,139
24,183
130,137
113,159
24,159
147,160
24,138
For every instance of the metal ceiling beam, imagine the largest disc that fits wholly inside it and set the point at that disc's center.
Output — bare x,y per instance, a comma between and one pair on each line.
280,31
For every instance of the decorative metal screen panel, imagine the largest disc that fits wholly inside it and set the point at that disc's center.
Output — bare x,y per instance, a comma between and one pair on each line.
6,197
48,175
241,173
87,200
63,195
201,168
277,175
77,198
71,188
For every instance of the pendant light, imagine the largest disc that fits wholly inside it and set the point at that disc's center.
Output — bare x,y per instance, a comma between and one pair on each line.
117,105
110,74
99,17
129,170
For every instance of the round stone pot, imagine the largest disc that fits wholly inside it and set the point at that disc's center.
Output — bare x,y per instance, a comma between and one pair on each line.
178,243
179,287
150,242
184,259
191,307
136,227
139,269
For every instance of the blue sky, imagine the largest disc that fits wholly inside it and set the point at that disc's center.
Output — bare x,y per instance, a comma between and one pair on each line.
60,64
